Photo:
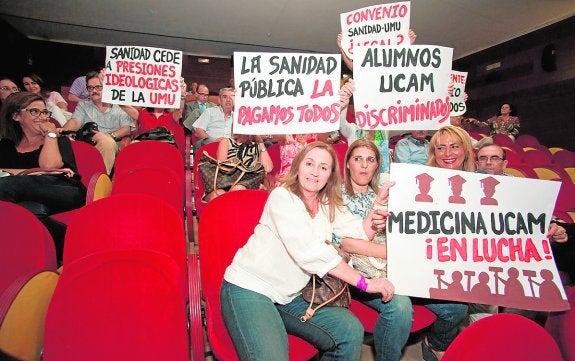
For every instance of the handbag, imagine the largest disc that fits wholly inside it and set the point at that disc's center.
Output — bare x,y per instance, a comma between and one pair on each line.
326,291
226,174
371,267
84,134
158,133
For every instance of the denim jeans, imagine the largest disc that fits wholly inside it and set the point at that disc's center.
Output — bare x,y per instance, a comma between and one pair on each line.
45,195
393,324
259,328
445,328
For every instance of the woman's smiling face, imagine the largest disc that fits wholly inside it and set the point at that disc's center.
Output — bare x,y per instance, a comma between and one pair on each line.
449,153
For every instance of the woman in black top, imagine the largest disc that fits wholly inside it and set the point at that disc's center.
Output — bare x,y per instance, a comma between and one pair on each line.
29,140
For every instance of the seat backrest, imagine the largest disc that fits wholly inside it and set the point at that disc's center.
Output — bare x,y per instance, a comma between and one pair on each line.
221,236
547,173
516,172
122,305
564,158
503,140
503,336
88,160
340,150
527,140
160,182
127,222
536,158
148,154
211,149
27,247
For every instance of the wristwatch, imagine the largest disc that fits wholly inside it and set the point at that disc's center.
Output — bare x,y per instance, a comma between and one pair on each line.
52,135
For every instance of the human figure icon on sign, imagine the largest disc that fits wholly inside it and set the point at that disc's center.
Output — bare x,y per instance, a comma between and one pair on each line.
424,183
456,184
488,184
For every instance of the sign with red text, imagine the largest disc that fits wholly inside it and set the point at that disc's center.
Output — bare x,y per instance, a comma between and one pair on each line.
142,76
290,93
402,88
457,98
383,24
472,237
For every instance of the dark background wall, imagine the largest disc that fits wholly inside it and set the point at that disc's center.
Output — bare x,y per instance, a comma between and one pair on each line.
543,94
536,74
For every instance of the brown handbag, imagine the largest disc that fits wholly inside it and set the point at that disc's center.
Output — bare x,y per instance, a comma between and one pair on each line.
326,291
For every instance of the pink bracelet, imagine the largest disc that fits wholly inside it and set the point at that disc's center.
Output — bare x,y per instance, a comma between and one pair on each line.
361,284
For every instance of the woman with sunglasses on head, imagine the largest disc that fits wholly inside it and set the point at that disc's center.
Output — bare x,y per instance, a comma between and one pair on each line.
27,141
54,100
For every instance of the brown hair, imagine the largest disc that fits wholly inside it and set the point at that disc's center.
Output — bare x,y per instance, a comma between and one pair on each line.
9,128
455,134
374,183
330,194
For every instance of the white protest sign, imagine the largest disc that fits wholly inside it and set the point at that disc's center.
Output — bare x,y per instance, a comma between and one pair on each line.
457,99
142,76
286,93
383,24
402,88
472,237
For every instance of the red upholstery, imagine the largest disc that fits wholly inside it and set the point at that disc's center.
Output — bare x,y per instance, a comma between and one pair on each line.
503,336
218,243
88,160
536,158
274,153
90,166
513,159
127,222
564,158
561,325
211,149
147,154
122,305
503,140
527,140
160,182
566,198
340,149
27,247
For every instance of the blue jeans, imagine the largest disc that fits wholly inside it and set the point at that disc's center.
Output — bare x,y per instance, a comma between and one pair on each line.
258,327
393,324
445,328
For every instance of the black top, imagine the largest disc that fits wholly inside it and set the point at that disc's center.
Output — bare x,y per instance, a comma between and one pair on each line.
11,158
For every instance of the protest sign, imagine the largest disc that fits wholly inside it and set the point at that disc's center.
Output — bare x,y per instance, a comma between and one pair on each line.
288,93
142,76
472,237
383,24
402,88
457,98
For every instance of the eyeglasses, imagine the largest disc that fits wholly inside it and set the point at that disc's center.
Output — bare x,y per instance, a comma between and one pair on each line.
8,88
360,159
36,112
204,94
493,158
95,87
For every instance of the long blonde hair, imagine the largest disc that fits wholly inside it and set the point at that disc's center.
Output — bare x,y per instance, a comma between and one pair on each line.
455,134
374,182
330,194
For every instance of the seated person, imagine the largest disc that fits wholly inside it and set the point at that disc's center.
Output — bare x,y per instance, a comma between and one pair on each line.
113,122
216,122
490,157
505,122
29,140
7,87
252,153
412,149
54,100
197,107
290,146
78,91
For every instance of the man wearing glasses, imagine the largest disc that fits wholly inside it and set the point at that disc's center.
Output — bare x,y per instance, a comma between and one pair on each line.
7,87
195,108
490,157
113,122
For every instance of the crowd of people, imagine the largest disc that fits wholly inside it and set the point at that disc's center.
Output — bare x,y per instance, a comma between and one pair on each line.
308,204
